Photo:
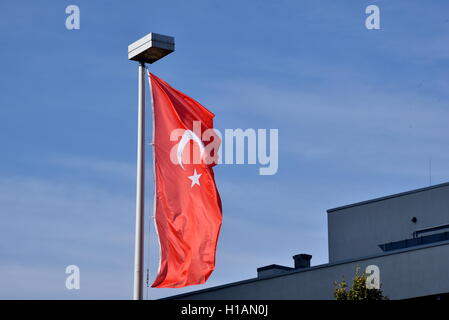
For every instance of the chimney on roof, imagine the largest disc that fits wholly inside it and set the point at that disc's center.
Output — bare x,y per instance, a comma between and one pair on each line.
302,260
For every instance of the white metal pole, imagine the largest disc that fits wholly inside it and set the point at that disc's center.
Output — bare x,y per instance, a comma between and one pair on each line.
140,215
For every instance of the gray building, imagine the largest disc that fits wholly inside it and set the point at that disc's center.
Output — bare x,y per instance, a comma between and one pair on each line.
405,235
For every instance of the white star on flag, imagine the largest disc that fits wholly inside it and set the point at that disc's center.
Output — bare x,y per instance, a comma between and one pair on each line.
195,178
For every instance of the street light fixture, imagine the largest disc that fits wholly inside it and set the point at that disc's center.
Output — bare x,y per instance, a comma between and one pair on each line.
148,49
151,48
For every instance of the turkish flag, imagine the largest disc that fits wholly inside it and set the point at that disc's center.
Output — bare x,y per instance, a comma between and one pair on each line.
188,207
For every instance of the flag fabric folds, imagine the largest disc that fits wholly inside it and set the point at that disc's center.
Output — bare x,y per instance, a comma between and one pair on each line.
188,211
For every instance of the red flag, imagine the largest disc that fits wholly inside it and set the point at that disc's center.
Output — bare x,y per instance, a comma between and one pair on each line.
188,206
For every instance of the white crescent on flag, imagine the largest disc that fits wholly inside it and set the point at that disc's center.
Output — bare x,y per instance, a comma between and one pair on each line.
186,137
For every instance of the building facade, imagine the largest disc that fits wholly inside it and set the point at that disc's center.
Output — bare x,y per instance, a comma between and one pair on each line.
405,235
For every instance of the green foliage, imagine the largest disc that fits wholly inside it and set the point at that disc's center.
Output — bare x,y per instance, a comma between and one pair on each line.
358,290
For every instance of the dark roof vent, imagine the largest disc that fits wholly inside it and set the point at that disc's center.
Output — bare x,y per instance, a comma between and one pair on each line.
302,260
272,270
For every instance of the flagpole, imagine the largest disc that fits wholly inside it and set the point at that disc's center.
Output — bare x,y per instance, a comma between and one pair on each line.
140,189
148,49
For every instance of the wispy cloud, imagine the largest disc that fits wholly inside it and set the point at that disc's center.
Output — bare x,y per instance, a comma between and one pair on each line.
102,166
47,225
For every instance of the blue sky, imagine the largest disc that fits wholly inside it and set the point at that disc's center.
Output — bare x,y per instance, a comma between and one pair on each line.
360,113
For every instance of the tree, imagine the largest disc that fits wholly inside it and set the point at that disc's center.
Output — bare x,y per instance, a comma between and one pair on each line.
358,290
